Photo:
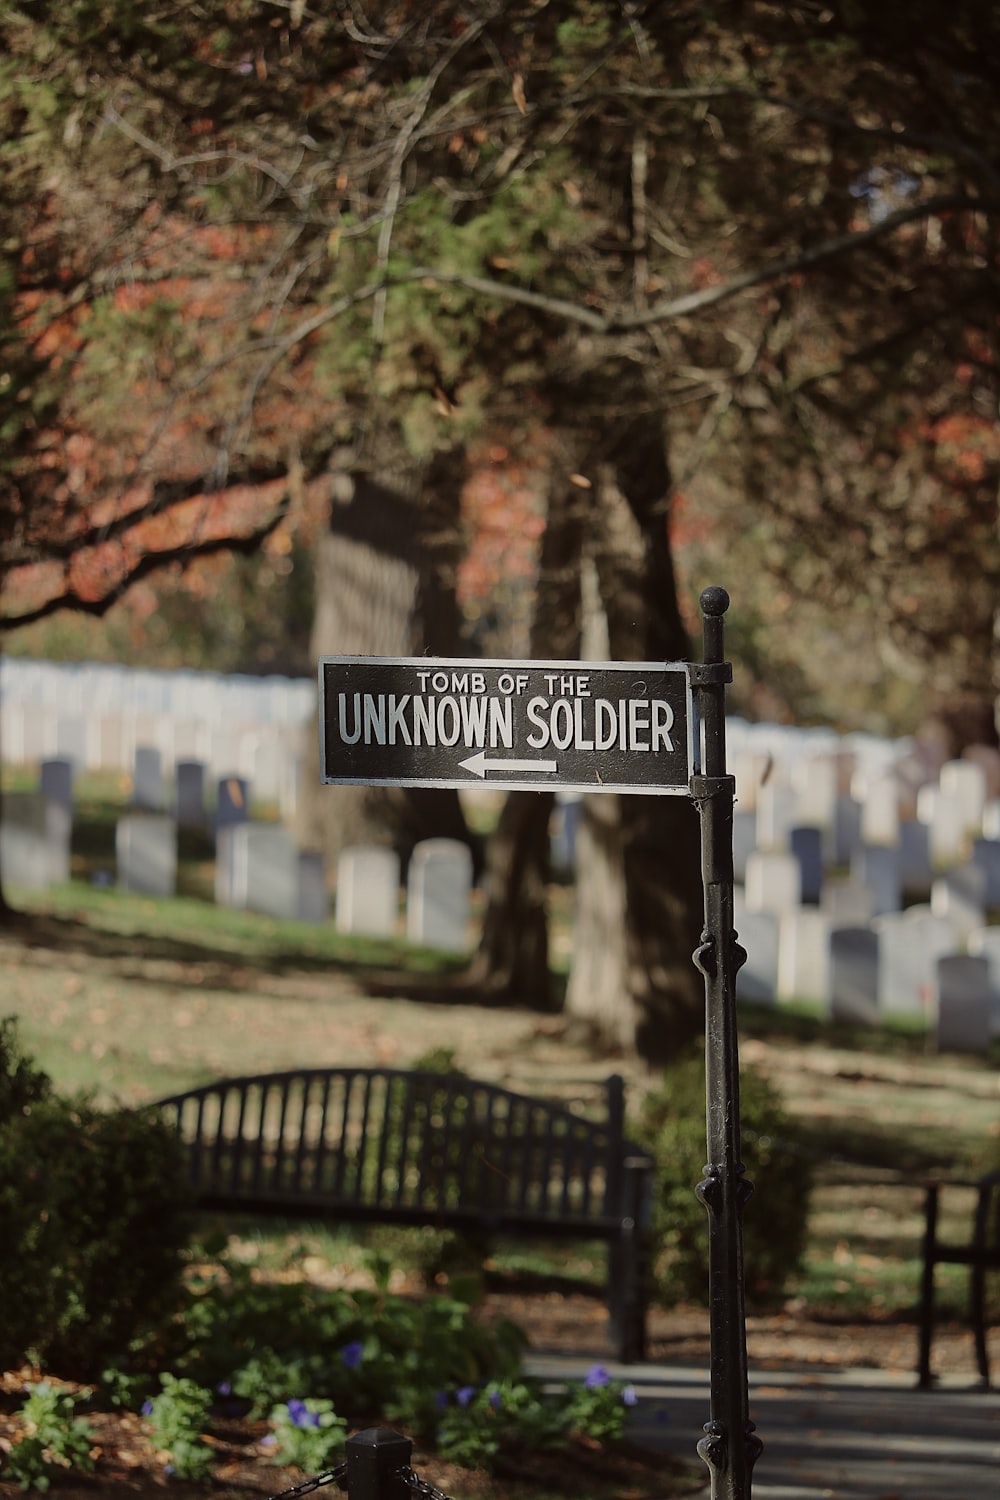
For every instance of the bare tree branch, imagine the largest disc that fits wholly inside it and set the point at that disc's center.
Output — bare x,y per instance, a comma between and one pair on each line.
149,562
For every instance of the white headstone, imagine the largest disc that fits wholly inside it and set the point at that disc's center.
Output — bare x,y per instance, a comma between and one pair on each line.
35,833
757,934
991,819
777,810
854,975
71,739
804,956
847,903
909,945
38,732
880,811
314,899
109,751
816,779
942,812
146,849
744,840
987,757
368,891
438,885
750,769
963,1003
960,895
773,882
879,868
225,866
965,781
266,870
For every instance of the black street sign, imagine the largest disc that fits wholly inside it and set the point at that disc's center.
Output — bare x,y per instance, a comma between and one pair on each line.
583,726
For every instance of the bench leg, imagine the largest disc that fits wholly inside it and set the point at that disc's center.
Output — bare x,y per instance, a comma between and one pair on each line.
626,1300
977,1308
927,1289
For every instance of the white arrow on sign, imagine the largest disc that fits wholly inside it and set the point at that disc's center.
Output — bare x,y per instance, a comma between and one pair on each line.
479,765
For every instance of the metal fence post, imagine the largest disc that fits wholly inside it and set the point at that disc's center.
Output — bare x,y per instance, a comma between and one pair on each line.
729,1446
377,1461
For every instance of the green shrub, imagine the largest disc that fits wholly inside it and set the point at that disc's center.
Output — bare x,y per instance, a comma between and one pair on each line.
364,1350
309,1434
672,1126
21,1083
177,1418
91,1204
54,1439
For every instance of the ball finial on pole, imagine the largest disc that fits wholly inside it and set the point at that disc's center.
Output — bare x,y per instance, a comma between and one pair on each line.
714,600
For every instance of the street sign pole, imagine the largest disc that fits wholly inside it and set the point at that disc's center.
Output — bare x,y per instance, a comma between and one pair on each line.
729,1447
593,727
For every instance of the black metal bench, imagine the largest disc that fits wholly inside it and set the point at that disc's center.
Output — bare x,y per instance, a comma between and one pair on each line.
981,1253
384,1145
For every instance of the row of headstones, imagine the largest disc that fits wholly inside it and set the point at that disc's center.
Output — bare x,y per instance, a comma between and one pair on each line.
918,963
438,893
932,824
186,795
257,864
267,755
258,867
83,689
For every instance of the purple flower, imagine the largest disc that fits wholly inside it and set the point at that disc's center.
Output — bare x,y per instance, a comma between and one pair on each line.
168,1469
464,1394
630,1396
223,1388
596,1376
353,1353
495,1399
147,1408
301,1415
268,1441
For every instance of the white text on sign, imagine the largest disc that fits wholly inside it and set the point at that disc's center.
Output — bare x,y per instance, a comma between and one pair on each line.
578,723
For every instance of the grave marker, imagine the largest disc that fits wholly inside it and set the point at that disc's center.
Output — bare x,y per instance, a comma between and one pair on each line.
367,898
438,884
854,975
963,1003
146,850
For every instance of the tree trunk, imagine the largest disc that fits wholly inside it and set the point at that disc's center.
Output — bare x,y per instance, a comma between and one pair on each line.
385,587
512,961
639,896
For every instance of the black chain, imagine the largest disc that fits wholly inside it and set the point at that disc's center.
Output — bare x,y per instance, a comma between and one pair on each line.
419,1486
336,1476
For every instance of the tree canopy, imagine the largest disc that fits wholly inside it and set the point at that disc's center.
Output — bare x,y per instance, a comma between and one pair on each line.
246,236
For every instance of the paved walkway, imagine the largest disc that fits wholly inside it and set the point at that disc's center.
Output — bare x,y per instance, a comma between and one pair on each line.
849,1435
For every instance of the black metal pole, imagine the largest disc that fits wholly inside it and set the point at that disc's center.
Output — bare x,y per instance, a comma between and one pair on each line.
729,1446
